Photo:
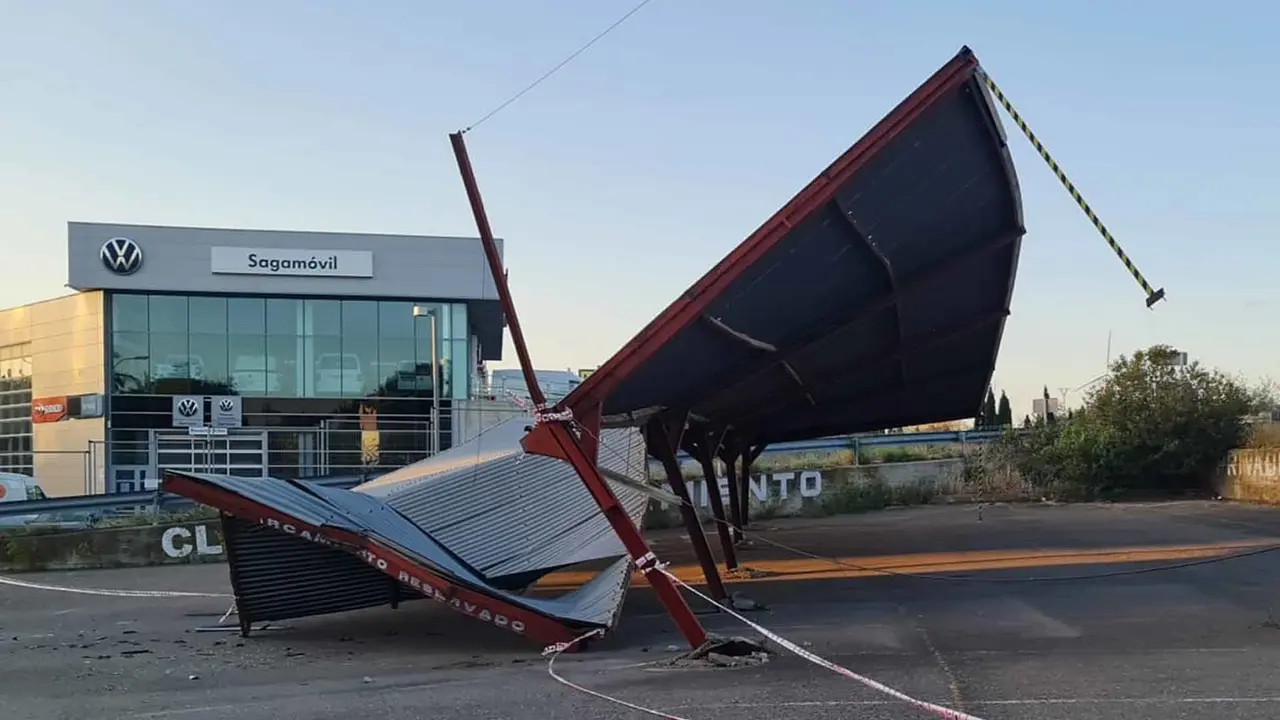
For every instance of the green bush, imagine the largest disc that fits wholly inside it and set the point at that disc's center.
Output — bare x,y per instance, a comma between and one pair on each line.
874,494
909,453
1154,428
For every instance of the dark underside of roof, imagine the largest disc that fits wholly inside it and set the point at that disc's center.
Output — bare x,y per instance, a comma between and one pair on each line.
876,299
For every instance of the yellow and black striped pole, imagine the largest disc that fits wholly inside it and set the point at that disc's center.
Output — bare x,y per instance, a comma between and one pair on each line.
1153,296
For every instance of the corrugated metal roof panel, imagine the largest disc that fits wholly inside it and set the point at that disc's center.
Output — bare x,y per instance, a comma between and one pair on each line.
507,513
368,516
599,601
278,576
294,499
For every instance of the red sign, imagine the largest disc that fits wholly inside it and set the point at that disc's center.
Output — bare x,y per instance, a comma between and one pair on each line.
49,409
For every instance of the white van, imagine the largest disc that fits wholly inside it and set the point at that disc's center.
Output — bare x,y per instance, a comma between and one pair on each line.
337,373
18,488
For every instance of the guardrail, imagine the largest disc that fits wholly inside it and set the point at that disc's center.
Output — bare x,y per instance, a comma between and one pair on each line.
120,503
156,500
849,442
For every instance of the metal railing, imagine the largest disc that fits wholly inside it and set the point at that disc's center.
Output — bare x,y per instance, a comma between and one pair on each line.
124,503
156,500
856,442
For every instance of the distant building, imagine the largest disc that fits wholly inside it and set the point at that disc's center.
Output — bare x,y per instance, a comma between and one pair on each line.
295,347
555,384
1037,407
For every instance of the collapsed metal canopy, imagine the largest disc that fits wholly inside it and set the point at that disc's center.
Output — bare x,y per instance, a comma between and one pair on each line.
875,298
471,527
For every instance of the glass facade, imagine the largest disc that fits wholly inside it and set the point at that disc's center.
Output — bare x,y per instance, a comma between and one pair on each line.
15,409
287,347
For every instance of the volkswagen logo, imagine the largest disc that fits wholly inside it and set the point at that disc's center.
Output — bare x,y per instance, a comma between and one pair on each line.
121,255
188,408
226,405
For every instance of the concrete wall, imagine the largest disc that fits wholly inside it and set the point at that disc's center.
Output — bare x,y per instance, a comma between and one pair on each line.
173,544
1251,476
819,492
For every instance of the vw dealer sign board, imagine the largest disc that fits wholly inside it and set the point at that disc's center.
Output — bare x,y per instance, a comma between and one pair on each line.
188,411
225,411
290,261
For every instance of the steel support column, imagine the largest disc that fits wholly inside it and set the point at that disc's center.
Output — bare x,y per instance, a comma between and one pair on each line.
729,454
702,448
735,497
555,439
663,438
748,456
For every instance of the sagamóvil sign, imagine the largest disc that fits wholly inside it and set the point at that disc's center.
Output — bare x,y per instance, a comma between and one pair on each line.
291,262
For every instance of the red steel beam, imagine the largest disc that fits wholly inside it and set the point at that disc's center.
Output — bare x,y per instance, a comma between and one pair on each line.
495,269
553,437
693,303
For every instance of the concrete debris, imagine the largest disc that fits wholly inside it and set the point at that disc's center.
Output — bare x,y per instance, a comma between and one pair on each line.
724,652
748,573
741,602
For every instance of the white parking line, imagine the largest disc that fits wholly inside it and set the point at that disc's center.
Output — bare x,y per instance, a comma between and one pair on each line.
186,711
1024,701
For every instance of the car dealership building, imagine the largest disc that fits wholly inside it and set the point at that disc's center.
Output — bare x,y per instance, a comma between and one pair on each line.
256,353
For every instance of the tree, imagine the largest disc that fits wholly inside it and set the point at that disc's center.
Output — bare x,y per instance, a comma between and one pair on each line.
989,410
1048,416
1026,421
1004,412
1155,427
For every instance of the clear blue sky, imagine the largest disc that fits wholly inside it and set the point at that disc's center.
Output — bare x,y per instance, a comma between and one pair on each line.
674,137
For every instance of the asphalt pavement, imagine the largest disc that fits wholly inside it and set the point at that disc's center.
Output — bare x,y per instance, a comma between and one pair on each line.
1196,642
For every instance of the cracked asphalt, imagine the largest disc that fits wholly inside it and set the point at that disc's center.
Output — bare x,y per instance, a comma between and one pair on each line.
1199,642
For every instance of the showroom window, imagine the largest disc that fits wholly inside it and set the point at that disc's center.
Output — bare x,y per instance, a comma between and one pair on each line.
286,347
15,409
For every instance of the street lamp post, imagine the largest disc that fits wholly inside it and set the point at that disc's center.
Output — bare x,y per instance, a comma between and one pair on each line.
435,376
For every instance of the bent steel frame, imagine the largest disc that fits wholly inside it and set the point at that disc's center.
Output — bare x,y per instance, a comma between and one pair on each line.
552,434
876,333
955,173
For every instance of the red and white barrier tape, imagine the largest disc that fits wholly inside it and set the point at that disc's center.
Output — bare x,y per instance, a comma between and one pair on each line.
544,416
938,710
108,593
517,400
541,414
553,651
